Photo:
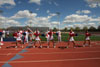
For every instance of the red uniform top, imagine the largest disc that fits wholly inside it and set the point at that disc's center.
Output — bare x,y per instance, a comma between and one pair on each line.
21,32
30,34
72,34
87,34
37,33
1,31
15,34
18,34
50,33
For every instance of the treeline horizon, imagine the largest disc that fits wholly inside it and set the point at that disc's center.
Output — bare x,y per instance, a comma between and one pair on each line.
78,29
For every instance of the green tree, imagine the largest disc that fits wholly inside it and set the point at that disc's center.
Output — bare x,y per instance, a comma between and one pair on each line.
71,28
99,28
85,28
65,29
77,29
55,29
92,28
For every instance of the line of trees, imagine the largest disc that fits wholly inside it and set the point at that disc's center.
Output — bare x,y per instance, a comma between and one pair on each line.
78,29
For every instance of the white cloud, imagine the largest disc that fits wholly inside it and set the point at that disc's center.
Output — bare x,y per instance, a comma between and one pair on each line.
24,14
34,19
69,26
76,18
37,9
93,3
48,11
85,25
53,14
74,26
78,12
56,4
81,25
95,19
11,2
6,22
53,2
8,7
39,22
38,2
91,24
46,21
54,23
83,11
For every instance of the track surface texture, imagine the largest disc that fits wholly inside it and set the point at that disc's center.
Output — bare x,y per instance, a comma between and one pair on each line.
50,57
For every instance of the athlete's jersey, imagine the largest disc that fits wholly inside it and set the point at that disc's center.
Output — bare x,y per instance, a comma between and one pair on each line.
37,33
72,34
47,35
87,34
50,34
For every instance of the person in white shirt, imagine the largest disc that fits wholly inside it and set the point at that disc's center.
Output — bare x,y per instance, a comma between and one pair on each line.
7,33
1,38
27,35
59,35
4,33
47,36
18,39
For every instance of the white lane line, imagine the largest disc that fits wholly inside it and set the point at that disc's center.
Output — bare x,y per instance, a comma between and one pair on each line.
9,54
52,53
61,60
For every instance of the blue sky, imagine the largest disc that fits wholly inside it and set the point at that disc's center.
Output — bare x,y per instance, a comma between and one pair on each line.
72,12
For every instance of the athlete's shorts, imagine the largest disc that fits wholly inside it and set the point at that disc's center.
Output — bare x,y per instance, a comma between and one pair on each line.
87,38
71,39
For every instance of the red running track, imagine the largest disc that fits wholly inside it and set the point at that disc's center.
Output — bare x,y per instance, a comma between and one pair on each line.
53,57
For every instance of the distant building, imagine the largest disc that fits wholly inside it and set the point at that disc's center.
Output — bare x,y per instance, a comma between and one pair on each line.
41,29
